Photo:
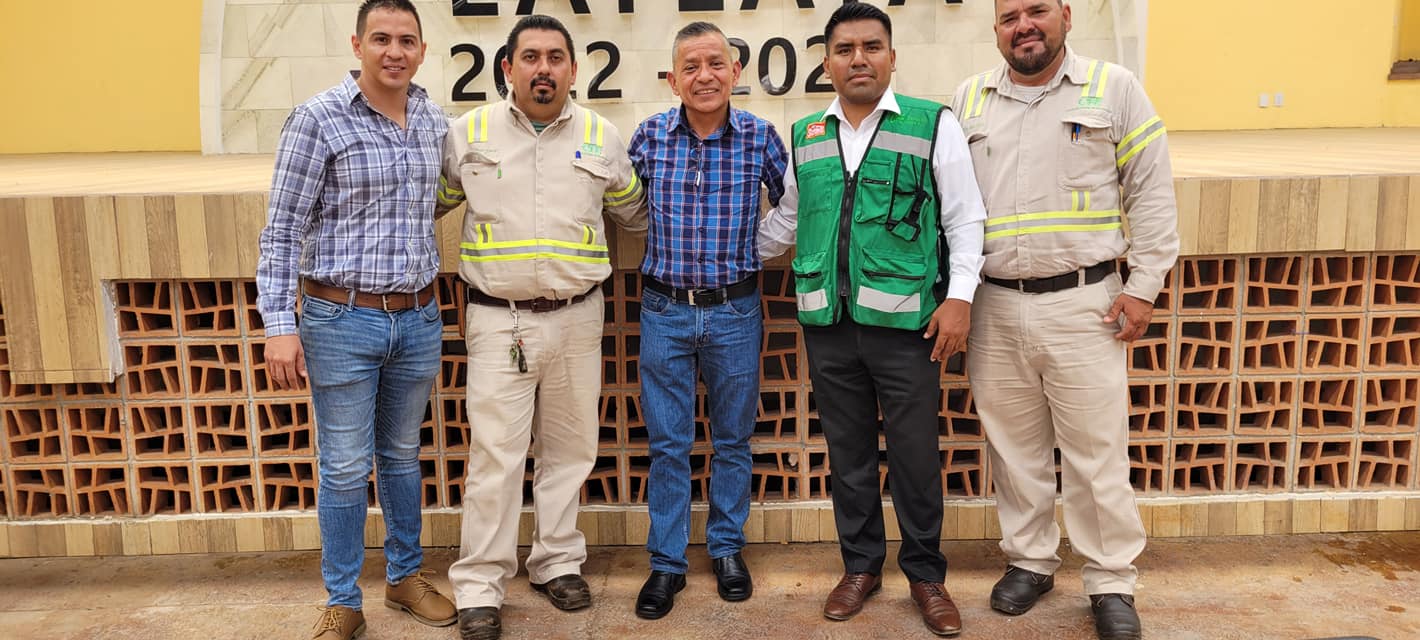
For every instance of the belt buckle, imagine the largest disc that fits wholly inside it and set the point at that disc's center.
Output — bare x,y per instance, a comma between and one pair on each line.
542,305
711,297
385,302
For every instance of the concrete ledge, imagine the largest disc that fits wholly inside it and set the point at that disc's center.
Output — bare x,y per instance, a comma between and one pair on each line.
1236,515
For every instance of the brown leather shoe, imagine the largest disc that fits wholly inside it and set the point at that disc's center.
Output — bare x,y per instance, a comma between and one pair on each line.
937,609
418,596
846,599
338,623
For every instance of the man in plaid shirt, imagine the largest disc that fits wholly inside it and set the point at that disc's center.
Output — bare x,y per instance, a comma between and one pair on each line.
703,164
351,226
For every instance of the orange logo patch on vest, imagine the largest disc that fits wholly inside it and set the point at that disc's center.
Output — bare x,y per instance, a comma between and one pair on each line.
816,129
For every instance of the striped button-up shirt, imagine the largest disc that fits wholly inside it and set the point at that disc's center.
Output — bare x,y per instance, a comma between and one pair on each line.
352,201
704,196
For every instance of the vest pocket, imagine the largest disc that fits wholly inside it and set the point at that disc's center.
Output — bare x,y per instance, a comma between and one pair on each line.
811,286
892,283
873,198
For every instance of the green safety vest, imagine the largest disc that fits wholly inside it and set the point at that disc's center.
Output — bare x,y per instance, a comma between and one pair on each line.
874,247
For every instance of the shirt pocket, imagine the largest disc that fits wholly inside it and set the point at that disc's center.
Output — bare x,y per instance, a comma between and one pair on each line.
594,176
978,143
1086,159
480,169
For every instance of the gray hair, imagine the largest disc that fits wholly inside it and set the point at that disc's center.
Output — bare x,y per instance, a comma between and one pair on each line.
695,30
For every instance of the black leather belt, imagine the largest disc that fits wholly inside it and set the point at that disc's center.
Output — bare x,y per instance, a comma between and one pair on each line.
1077,278
699,297
535,305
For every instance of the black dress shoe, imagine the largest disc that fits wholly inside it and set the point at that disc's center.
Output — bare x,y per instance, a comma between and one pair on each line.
1115,617
1017,591
732,578
480,623
658,594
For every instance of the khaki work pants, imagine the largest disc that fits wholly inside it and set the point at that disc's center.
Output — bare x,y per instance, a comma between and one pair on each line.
553,406
1046,372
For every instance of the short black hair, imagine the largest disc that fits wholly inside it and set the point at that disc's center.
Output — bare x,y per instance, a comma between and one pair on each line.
695,30
389,5
543,23
854,11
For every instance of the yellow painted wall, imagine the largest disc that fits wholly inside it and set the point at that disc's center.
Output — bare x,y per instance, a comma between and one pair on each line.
1208,60
1408,44
86,75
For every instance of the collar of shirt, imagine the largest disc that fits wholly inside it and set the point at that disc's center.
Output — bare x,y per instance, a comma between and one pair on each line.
568,108
737,123
351,89
1075,69
854,142
886,103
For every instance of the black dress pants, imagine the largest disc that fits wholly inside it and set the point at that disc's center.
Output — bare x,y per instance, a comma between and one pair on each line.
856,369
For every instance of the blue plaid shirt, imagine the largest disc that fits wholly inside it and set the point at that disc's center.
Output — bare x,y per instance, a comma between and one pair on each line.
704,196
352,201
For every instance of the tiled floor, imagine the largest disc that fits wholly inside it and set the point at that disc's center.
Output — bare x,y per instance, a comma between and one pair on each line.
1290,587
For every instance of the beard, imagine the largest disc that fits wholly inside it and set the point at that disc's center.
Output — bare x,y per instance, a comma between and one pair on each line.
543,98
1033,63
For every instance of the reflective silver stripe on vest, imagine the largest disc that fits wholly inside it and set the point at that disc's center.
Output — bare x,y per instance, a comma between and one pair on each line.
523,249
1053,221
888,302
813,300
910,145
818,151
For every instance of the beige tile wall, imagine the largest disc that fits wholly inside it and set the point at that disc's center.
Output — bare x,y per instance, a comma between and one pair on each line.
274,55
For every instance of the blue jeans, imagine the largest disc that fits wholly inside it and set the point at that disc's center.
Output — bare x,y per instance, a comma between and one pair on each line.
371,373
723,340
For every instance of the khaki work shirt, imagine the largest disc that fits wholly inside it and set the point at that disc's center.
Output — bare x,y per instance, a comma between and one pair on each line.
533,227
1073,177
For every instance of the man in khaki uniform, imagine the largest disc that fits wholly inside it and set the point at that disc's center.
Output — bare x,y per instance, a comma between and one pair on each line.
1065,149
539,171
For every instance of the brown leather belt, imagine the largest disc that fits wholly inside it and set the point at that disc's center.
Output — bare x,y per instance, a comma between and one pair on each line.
386,301
535,305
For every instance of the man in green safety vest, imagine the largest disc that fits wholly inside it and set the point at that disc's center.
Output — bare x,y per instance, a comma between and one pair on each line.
889,234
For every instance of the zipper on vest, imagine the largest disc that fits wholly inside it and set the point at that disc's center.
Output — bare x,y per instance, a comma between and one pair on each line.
845,212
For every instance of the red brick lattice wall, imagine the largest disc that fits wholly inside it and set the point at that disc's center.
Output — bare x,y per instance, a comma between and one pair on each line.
1258,374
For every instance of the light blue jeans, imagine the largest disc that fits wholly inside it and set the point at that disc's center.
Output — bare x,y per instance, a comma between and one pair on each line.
371,373
722,342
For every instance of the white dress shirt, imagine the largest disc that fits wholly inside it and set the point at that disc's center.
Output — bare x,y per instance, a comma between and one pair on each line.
963,214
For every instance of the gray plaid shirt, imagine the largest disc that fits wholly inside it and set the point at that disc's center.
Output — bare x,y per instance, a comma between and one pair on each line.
352,201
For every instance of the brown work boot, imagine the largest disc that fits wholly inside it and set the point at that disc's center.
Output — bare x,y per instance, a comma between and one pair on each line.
937,609
846,599
338,623
417,596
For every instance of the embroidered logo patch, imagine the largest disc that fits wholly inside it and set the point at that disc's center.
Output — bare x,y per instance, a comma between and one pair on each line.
1090,101
591,149
816,129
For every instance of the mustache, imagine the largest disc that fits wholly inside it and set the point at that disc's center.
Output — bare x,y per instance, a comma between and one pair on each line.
543,80
1022,37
